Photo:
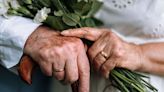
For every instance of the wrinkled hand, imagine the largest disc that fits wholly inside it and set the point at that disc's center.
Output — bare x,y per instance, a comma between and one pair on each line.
108,50
62,57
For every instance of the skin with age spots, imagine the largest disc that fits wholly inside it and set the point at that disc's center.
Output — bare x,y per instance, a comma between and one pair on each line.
120,53
53,52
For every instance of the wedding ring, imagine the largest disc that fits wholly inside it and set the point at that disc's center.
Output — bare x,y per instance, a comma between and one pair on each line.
104,54
59,70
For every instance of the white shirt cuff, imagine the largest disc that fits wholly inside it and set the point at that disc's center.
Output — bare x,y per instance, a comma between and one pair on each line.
14,32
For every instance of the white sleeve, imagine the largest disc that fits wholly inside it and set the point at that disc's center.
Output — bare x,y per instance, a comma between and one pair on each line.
14,32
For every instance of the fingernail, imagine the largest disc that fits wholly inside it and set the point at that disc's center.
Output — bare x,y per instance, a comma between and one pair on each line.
65,32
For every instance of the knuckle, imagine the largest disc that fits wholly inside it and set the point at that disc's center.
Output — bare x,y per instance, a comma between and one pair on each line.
71,47
112,36
52,52
58,50
44,53
119,53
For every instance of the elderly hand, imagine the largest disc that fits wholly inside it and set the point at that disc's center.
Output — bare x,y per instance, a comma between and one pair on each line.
108,50
62,57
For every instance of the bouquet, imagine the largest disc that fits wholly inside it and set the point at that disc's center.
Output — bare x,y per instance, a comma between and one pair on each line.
65,14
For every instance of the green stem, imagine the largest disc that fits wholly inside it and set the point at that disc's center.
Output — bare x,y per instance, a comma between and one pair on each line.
125,79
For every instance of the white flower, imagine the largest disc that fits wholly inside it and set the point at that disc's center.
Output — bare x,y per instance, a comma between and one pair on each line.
4,6
14,4
42,15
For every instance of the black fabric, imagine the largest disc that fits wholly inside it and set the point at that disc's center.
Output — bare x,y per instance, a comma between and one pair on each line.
9,82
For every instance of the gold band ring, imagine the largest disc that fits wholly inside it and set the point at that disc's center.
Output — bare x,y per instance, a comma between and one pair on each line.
105,55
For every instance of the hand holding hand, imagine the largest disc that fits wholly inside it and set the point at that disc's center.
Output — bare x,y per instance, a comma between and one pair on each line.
108,50
58,56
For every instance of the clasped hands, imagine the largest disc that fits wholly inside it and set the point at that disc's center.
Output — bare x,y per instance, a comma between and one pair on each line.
63,55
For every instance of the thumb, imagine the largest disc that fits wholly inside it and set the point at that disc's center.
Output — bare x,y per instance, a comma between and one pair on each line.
91,34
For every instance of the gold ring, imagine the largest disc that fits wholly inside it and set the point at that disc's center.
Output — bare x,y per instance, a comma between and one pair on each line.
105,55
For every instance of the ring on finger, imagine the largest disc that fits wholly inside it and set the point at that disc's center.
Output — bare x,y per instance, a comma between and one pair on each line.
105,55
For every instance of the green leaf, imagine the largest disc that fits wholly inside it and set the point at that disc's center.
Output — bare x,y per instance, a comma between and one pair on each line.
82,7
58,13
45,3
95,7
25,11
59,5
69,4
71,19
87,7
56,23
90,23
13,12
27,1
32,8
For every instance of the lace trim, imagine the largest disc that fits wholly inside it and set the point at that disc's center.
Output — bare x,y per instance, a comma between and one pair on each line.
122,4
158,31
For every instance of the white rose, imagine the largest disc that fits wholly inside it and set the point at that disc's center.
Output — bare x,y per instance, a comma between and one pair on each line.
42,15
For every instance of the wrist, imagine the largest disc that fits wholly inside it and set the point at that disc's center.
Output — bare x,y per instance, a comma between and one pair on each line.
139,57
39,33
143,60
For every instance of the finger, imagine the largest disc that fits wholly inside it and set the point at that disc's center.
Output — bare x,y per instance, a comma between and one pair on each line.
71,69
98,61
46,68
58,65
97,47
108,66
101,57
58,74
84,72
91,34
